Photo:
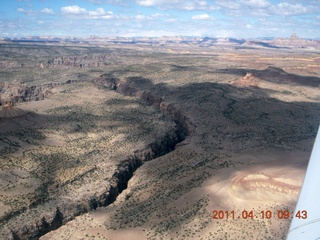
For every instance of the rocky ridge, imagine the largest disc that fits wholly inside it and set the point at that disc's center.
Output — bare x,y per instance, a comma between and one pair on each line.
19,92
78,61
13,93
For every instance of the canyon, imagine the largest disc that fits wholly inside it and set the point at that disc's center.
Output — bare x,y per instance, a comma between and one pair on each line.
148,141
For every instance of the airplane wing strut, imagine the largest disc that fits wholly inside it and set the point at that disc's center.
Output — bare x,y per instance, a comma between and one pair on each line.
305,223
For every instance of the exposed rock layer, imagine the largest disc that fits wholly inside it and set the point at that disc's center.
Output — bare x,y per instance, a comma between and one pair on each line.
20,92
169,110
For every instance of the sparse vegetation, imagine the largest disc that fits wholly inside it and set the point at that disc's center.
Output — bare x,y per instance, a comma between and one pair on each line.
76,149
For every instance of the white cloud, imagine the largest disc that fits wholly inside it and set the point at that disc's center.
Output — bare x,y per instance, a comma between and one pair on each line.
47,11
148,2
178,4
108,17
21,10
235,18
98,12
34,13
77,11
116,2
264,8
230,4
157,15
201,17
74,10
165,3
171,20
27,12
202,3
290,9
256,3
143,17
194,5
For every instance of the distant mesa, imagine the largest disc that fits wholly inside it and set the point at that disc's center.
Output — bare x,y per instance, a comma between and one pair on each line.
251,43
275,69
294,36
295,41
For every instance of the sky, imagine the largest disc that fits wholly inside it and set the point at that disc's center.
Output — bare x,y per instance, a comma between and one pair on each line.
154,18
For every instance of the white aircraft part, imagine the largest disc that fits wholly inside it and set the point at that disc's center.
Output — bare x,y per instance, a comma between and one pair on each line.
309,201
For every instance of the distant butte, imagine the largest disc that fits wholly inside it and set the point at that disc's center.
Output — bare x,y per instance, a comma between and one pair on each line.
249,80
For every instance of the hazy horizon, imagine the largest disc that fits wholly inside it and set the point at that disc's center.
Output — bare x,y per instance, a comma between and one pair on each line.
34,37
155,18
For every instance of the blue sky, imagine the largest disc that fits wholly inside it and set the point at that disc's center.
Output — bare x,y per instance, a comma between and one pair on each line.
213,18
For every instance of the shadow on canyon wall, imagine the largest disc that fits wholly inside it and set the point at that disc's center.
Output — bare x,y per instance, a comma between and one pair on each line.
228,113
229,116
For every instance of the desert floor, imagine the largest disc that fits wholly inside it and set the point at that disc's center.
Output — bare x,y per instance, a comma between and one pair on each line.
251,115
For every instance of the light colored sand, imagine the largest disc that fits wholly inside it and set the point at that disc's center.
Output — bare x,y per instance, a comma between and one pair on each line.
90,226
270,182
277,180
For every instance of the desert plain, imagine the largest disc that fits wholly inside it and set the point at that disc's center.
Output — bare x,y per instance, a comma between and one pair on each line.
171,139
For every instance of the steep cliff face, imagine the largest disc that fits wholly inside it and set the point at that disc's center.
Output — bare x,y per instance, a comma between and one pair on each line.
168,109
20,92
45,220
78,61
13,93
40,226
89,61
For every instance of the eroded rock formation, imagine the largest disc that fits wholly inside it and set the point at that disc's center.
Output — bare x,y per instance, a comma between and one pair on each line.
13,93
20,92
77,61
168,109
249,80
